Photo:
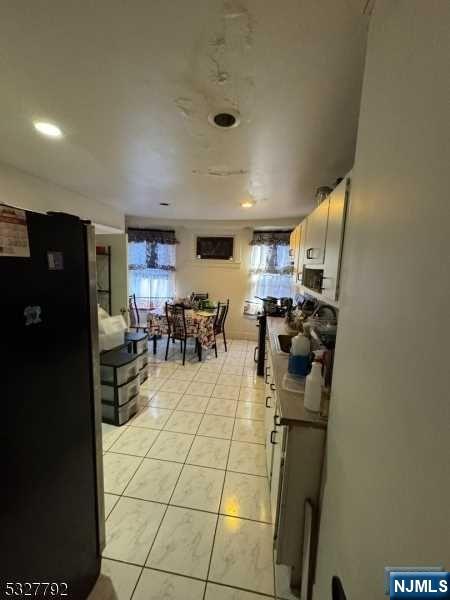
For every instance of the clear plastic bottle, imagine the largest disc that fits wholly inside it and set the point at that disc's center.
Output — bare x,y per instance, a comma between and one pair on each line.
300,345
313,388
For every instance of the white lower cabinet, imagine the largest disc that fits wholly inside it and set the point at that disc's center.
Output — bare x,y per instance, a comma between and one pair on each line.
277,441
294,453
268,422
270,400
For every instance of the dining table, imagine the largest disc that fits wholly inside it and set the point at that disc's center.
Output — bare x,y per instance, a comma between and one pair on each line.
199,324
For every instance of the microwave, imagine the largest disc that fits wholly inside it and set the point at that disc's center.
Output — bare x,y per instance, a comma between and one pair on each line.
313,279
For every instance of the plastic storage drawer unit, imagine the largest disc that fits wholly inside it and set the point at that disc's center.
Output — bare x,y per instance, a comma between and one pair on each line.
118,367
118,415
120,394
143,375
142,361
137,341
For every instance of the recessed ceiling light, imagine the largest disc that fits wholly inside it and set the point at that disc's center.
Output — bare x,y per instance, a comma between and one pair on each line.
48,129
225,119
247,203
164,203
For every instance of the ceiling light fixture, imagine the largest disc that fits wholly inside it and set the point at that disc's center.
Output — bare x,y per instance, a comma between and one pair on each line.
48,129
225,119
247,203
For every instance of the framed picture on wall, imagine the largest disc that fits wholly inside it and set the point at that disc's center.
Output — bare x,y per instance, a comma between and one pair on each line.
215,247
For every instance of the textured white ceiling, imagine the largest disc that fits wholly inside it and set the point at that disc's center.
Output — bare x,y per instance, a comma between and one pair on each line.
132,83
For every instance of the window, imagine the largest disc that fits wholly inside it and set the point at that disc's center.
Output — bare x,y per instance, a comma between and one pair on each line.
270,264
151,260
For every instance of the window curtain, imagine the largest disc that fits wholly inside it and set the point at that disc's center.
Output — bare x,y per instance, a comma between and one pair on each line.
151,264
270,264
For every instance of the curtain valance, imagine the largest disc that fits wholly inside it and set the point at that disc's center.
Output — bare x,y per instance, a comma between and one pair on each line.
151,249
270,238
152,236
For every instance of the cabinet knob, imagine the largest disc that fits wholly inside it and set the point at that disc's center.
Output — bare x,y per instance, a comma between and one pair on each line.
272,436
267,401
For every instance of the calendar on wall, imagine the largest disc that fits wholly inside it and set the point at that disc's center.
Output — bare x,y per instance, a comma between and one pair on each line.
13,232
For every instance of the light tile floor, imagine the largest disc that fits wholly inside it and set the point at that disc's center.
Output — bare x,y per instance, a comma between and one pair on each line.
187,501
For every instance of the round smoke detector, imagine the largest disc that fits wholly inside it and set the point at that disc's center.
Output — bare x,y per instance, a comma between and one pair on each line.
225,119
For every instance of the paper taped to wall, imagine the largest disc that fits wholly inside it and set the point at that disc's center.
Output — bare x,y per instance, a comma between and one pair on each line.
13,232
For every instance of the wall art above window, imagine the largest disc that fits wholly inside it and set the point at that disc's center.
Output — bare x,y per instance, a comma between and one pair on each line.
215,247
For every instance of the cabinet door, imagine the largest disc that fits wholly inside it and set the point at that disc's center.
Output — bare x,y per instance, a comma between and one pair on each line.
293,249
277,442
293,241
316,234
269,418
335,234
301,251
270,400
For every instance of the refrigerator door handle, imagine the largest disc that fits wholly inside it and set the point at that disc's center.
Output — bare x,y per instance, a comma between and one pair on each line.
96,388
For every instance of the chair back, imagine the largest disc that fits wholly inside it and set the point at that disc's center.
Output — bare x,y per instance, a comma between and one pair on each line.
221,315
176,320
133,311
195,296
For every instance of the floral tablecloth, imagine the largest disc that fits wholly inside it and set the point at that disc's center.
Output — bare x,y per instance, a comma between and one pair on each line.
198,325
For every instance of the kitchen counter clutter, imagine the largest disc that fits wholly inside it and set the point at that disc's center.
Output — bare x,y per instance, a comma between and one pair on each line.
291,403
295,446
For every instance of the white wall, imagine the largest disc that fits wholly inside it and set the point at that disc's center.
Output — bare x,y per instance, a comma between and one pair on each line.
387,491
119,269
220,279
25,191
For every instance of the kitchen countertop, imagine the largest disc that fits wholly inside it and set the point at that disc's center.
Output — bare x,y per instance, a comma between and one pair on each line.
292,409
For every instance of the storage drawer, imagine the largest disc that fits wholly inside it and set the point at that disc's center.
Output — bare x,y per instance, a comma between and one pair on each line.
138,342
143,375
118,367
120,394
118,415
142,361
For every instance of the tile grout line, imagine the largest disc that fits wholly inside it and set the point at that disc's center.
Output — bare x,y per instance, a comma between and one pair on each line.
218,516
161,522
178,462
225,585
195,435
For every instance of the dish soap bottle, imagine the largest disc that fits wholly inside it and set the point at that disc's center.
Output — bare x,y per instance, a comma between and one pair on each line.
313,388
299,359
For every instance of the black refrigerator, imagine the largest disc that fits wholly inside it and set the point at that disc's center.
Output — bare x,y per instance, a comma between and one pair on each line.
51,499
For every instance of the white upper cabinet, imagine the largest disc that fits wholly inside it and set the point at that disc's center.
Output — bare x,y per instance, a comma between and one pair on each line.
316,234
300,260
317,242
296,249
334,239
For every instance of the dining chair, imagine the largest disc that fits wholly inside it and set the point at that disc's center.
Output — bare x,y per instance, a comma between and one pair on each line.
135,317
219,323
177,329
